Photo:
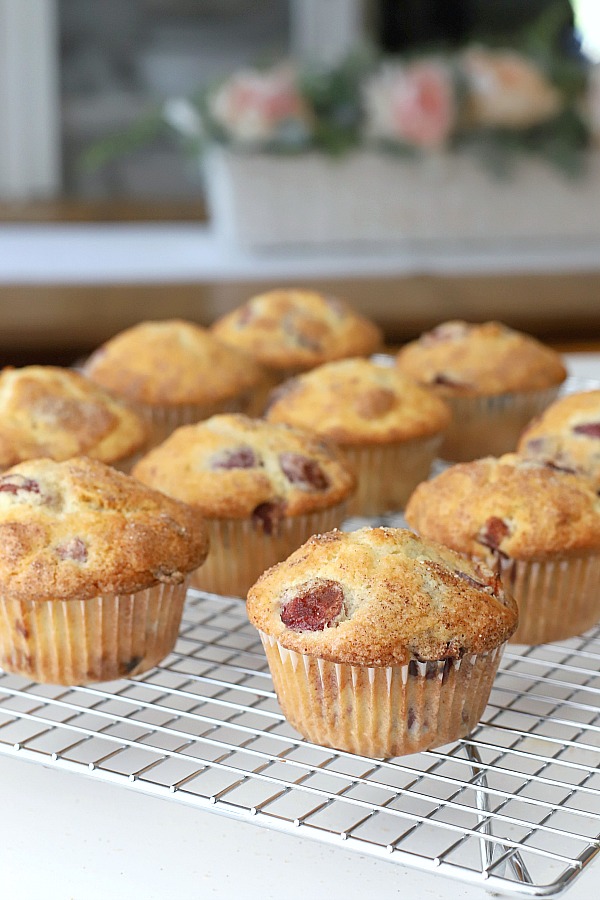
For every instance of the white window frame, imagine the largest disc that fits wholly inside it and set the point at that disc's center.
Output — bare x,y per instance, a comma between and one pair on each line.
30,118
29,100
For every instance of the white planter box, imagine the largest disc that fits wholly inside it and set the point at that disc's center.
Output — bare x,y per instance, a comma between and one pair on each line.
266,201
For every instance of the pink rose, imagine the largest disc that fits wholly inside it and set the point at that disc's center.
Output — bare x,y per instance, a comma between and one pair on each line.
507,90
413,104
253,107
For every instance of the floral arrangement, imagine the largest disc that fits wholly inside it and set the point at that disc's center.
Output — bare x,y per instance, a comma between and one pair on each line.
496,102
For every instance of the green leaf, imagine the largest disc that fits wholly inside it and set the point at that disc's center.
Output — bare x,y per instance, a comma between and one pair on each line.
144,131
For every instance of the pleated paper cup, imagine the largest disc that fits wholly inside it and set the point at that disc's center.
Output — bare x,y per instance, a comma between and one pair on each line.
557,599
99,639
388,473
242,549
381,711
163,419
490,426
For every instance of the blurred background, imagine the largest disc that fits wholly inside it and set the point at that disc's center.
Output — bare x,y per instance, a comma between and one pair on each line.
75,72
97,68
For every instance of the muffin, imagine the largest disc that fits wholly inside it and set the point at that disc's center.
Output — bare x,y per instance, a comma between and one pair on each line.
388,426
263,489
93,570
290,331
540,525
567,435
174,373
379,642
493,378
54,412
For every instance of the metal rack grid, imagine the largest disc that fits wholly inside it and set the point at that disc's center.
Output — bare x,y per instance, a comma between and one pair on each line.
514,807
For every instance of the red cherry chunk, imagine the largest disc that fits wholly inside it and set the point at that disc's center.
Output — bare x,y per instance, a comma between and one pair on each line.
239,458
14,483
472,581
493,532
306,473
268,515
448,381
550,464
488,586
315,608
590,429
73,549
447,331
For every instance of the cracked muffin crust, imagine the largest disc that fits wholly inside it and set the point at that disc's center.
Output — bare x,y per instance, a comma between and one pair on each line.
292,329
494,379
174,373
489,358
229,465
93,569
541,524
518,507
78,528
379,642
173,362
389,426
263,488
567,435
356,401
380,597
47,411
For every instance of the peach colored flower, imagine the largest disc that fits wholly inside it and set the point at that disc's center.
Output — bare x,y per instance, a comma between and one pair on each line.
411,104
255,107
507,90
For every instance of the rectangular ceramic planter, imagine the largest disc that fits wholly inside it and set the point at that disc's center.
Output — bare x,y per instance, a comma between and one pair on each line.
260,201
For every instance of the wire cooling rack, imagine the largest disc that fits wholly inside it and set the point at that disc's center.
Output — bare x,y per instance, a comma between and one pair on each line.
515,806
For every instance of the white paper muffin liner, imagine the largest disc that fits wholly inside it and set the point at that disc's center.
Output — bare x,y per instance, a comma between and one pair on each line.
490,426
381,711
163,419
241,550
98,639
557,598
389,473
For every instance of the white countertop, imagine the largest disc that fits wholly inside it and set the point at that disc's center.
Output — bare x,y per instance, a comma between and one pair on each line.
67,836
178,252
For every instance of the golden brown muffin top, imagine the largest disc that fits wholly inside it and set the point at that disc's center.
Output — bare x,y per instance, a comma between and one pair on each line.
54,412
231,466
379,597
356,401
78,528
519,508
298,329
462,358
172,362
567,434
